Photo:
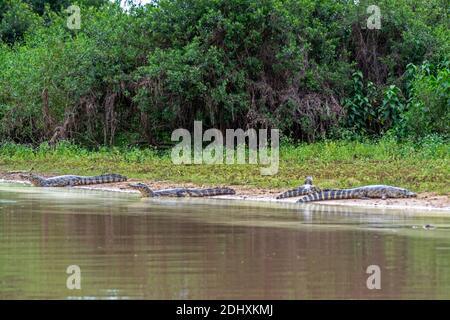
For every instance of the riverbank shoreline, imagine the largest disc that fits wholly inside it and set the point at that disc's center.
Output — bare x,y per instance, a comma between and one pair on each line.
424,201
336,164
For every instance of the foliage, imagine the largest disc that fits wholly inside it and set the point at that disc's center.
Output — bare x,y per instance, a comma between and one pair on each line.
429,105
130,78
15,19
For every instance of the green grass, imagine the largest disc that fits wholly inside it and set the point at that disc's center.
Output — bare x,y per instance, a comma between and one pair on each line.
421,167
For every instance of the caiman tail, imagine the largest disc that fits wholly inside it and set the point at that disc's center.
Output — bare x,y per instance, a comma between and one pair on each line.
330,195
209,192
104,178
307,188
302,191
373,192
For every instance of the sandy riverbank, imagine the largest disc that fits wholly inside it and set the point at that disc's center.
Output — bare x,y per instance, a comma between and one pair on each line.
424,201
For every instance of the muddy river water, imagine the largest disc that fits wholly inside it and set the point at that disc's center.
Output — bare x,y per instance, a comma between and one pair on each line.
131,248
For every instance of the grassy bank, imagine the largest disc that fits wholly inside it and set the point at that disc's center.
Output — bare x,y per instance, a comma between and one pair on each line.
422,167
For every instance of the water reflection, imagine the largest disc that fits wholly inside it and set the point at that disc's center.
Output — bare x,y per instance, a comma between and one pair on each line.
128,247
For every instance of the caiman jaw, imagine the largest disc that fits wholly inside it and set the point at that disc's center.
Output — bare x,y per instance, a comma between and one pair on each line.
142,188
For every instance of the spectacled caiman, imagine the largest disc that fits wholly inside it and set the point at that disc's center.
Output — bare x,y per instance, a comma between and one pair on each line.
374,191
180,192
70,180
303,190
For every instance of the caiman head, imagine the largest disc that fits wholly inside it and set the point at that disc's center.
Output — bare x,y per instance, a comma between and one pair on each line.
309,180
409,194
395,192
143,189
35,180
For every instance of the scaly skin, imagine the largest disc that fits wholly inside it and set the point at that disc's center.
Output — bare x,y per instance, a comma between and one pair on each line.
146,192
69,180
375,191
303,190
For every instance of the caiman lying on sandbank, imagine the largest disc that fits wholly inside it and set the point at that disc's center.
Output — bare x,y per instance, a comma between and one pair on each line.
146,192
375,191
69,180
303,190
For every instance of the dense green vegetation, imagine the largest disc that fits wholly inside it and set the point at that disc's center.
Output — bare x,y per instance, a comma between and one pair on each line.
310,68
420,166
376,102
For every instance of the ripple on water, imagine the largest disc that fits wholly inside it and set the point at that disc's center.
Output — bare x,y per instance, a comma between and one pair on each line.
7,201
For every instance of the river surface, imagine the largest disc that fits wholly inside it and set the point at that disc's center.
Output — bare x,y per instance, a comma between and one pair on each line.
132,248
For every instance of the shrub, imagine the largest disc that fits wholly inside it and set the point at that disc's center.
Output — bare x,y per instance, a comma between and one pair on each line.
428,107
